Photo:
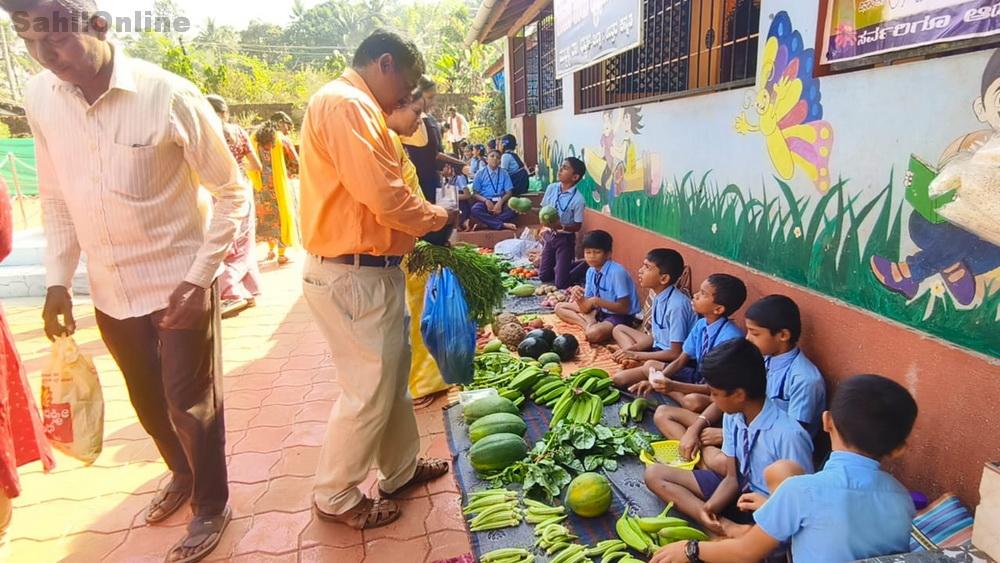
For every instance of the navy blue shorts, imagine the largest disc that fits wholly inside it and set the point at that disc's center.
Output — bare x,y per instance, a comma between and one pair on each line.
708,482
615,320
688,374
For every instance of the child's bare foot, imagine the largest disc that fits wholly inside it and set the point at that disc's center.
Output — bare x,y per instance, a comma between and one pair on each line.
734,530
630,364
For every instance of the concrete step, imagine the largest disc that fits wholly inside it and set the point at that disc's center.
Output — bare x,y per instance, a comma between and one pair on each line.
29,281
29,249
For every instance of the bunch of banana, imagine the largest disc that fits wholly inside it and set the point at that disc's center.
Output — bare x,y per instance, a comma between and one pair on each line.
547,390
577,406
634,411
608,549
653,524
629,531
494,509
678,533
513,395
543,514
526,379
596,381
508,555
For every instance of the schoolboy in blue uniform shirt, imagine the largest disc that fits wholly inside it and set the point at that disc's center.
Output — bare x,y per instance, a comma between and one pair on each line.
794,383
851,509
610,297
719,297
671,318
491,192
756,435
559,252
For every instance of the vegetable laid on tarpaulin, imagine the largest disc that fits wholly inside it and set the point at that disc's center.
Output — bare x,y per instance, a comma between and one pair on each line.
576,448
478,274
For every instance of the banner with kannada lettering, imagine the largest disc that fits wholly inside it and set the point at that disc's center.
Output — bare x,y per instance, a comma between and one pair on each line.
589,31
861,28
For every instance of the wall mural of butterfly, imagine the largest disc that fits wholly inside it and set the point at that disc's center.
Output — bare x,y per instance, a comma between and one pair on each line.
788,107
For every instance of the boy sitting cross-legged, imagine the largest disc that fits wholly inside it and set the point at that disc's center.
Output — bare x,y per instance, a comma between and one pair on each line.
850,510
756,434
774,325
609,299
719,297
672,317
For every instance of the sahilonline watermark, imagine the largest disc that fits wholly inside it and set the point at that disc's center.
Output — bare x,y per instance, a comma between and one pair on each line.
137,22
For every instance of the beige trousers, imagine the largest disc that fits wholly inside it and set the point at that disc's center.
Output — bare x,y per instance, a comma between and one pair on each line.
362,313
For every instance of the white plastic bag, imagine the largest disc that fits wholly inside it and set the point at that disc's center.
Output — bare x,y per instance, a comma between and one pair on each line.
975,178
518,248
72,402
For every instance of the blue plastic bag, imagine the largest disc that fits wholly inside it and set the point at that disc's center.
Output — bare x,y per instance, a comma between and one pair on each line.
449,333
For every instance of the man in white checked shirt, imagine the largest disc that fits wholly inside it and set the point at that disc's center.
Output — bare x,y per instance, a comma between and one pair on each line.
122,148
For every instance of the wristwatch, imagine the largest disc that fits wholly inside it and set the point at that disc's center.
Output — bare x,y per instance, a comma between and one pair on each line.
693,551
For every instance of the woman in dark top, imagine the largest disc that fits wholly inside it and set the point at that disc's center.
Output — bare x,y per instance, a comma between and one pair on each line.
425,147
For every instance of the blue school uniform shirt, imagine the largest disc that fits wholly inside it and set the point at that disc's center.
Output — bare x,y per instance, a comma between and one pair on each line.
492,184
848,511
460,182
672,318
771,437
704,337
475,165
612,283
509,163
797,387
569,204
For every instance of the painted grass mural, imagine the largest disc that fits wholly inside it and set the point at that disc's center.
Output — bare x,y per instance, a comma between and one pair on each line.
813,241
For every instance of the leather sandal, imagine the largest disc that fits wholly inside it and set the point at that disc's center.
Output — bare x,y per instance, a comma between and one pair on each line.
165,504
427,470
368,514
203,535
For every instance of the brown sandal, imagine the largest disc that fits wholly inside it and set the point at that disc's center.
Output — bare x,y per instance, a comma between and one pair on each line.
427,470
368,514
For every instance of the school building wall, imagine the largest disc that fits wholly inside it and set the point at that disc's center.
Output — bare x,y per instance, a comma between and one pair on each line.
688,173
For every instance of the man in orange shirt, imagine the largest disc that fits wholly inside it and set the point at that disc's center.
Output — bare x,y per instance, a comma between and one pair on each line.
358,219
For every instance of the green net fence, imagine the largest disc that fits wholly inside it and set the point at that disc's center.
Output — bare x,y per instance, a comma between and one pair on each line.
17,166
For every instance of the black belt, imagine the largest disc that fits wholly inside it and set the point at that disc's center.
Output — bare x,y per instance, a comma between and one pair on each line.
365,260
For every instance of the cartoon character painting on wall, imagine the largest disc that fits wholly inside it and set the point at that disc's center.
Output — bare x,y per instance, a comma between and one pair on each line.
788,107
619,166
955,256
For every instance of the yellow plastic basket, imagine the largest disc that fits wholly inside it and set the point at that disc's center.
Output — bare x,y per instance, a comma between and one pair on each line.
668,453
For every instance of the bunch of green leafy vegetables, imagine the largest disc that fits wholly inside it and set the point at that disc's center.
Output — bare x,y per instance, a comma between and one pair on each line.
570,449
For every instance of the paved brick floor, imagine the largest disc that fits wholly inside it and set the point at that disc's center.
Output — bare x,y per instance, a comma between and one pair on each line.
279,386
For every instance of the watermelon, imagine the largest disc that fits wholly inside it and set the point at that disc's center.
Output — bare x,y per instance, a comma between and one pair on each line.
589,495
566,346
532,348
497,452
549,216
499,423
519,204
487,406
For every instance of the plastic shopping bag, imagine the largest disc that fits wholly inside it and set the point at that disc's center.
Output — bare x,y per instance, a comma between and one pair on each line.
72,402
448,332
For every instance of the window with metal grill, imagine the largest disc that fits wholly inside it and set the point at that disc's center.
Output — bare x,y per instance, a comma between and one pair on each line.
534,87
689,47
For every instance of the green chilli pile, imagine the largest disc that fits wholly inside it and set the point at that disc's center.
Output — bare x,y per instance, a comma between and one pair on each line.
478,274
